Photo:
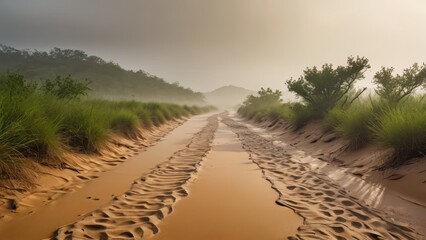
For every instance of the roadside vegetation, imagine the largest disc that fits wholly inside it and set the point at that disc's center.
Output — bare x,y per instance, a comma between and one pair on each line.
38,122
395,116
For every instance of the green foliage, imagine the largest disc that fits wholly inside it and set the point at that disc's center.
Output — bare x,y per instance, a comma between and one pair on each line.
255,105
321,89
13,138
108,79
395,88
404,129
84,127
300,115
353,122
14,86
65,87
264,97
40,126
396,118
125,122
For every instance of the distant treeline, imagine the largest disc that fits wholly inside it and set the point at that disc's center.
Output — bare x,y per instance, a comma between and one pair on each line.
107,79
394,117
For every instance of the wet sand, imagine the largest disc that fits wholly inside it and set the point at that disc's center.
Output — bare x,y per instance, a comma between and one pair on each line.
204,183
230,199
374,189
136,213
97,192
329,210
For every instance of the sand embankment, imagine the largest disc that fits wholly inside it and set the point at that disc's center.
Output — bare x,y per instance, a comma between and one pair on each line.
330,210
62,196
136,213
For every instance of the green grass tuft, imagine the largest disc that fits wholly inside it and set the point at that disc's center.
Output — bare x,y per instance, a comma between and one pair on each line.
125,122
404,129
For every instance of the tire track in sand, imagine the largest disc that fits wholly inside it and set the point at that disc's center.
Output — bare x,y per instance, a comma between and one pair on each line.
329,212
137,213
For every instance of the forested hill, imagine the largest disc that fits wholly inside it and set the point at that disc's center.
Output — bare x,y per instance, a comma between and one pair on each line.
107,79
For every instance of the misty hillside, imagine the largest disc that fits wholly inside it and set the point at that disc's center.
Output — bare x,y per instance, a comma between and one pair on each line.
227,96
107,79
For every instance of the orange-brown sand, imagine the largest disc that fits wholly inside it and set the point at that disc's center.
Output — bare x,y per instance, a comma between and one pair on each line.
229,200
400,192
65,195
329,210
136,213
173,191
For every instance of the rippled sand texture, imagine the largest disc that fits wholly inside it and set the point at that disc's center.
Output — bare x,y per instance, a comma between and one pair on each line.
136,213
54,183
230,200
329,212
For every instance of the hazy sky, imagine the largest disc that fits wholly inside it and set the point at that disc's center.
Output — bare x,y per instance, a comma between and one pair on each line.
207,44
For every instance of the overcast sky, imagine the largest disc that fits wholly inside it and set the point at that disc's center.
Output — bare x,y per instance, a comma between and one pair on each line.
205,44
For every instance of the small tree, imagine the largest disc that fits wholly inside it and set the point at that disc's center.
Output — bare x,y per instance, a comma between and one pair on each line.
395,88
321,89
14,85
65,87
266,97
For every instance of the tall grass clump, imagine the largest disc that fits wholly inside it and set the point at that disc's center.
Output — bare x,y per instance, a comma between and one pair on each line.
84,127
13,138
125,122
353,122
404,129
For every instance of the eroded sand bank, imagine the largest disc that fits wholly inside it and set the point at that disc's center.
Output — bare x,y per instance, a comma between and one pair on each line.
230,199
136,213
196,184
329,211
47,209
400,192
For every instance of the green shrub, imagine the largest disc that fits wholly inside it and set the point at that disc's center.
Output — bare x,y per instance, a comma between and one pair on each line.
300,115
124,122
353,123
404,129
145,117
85,127
321,89
65,87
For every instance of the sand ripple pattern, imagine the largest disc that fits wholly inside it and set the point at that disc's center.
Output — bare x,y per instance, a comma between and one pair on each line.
136,213
329,212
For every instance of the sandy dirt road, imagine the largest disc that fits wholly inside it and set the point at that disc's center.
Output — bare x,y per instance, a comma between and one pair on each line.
211,178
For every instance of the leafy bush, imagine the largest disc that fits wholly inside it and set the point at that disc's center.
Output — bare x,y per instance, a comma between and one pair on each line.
15,87
65,87
300,115
395,88
321,89
256,105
